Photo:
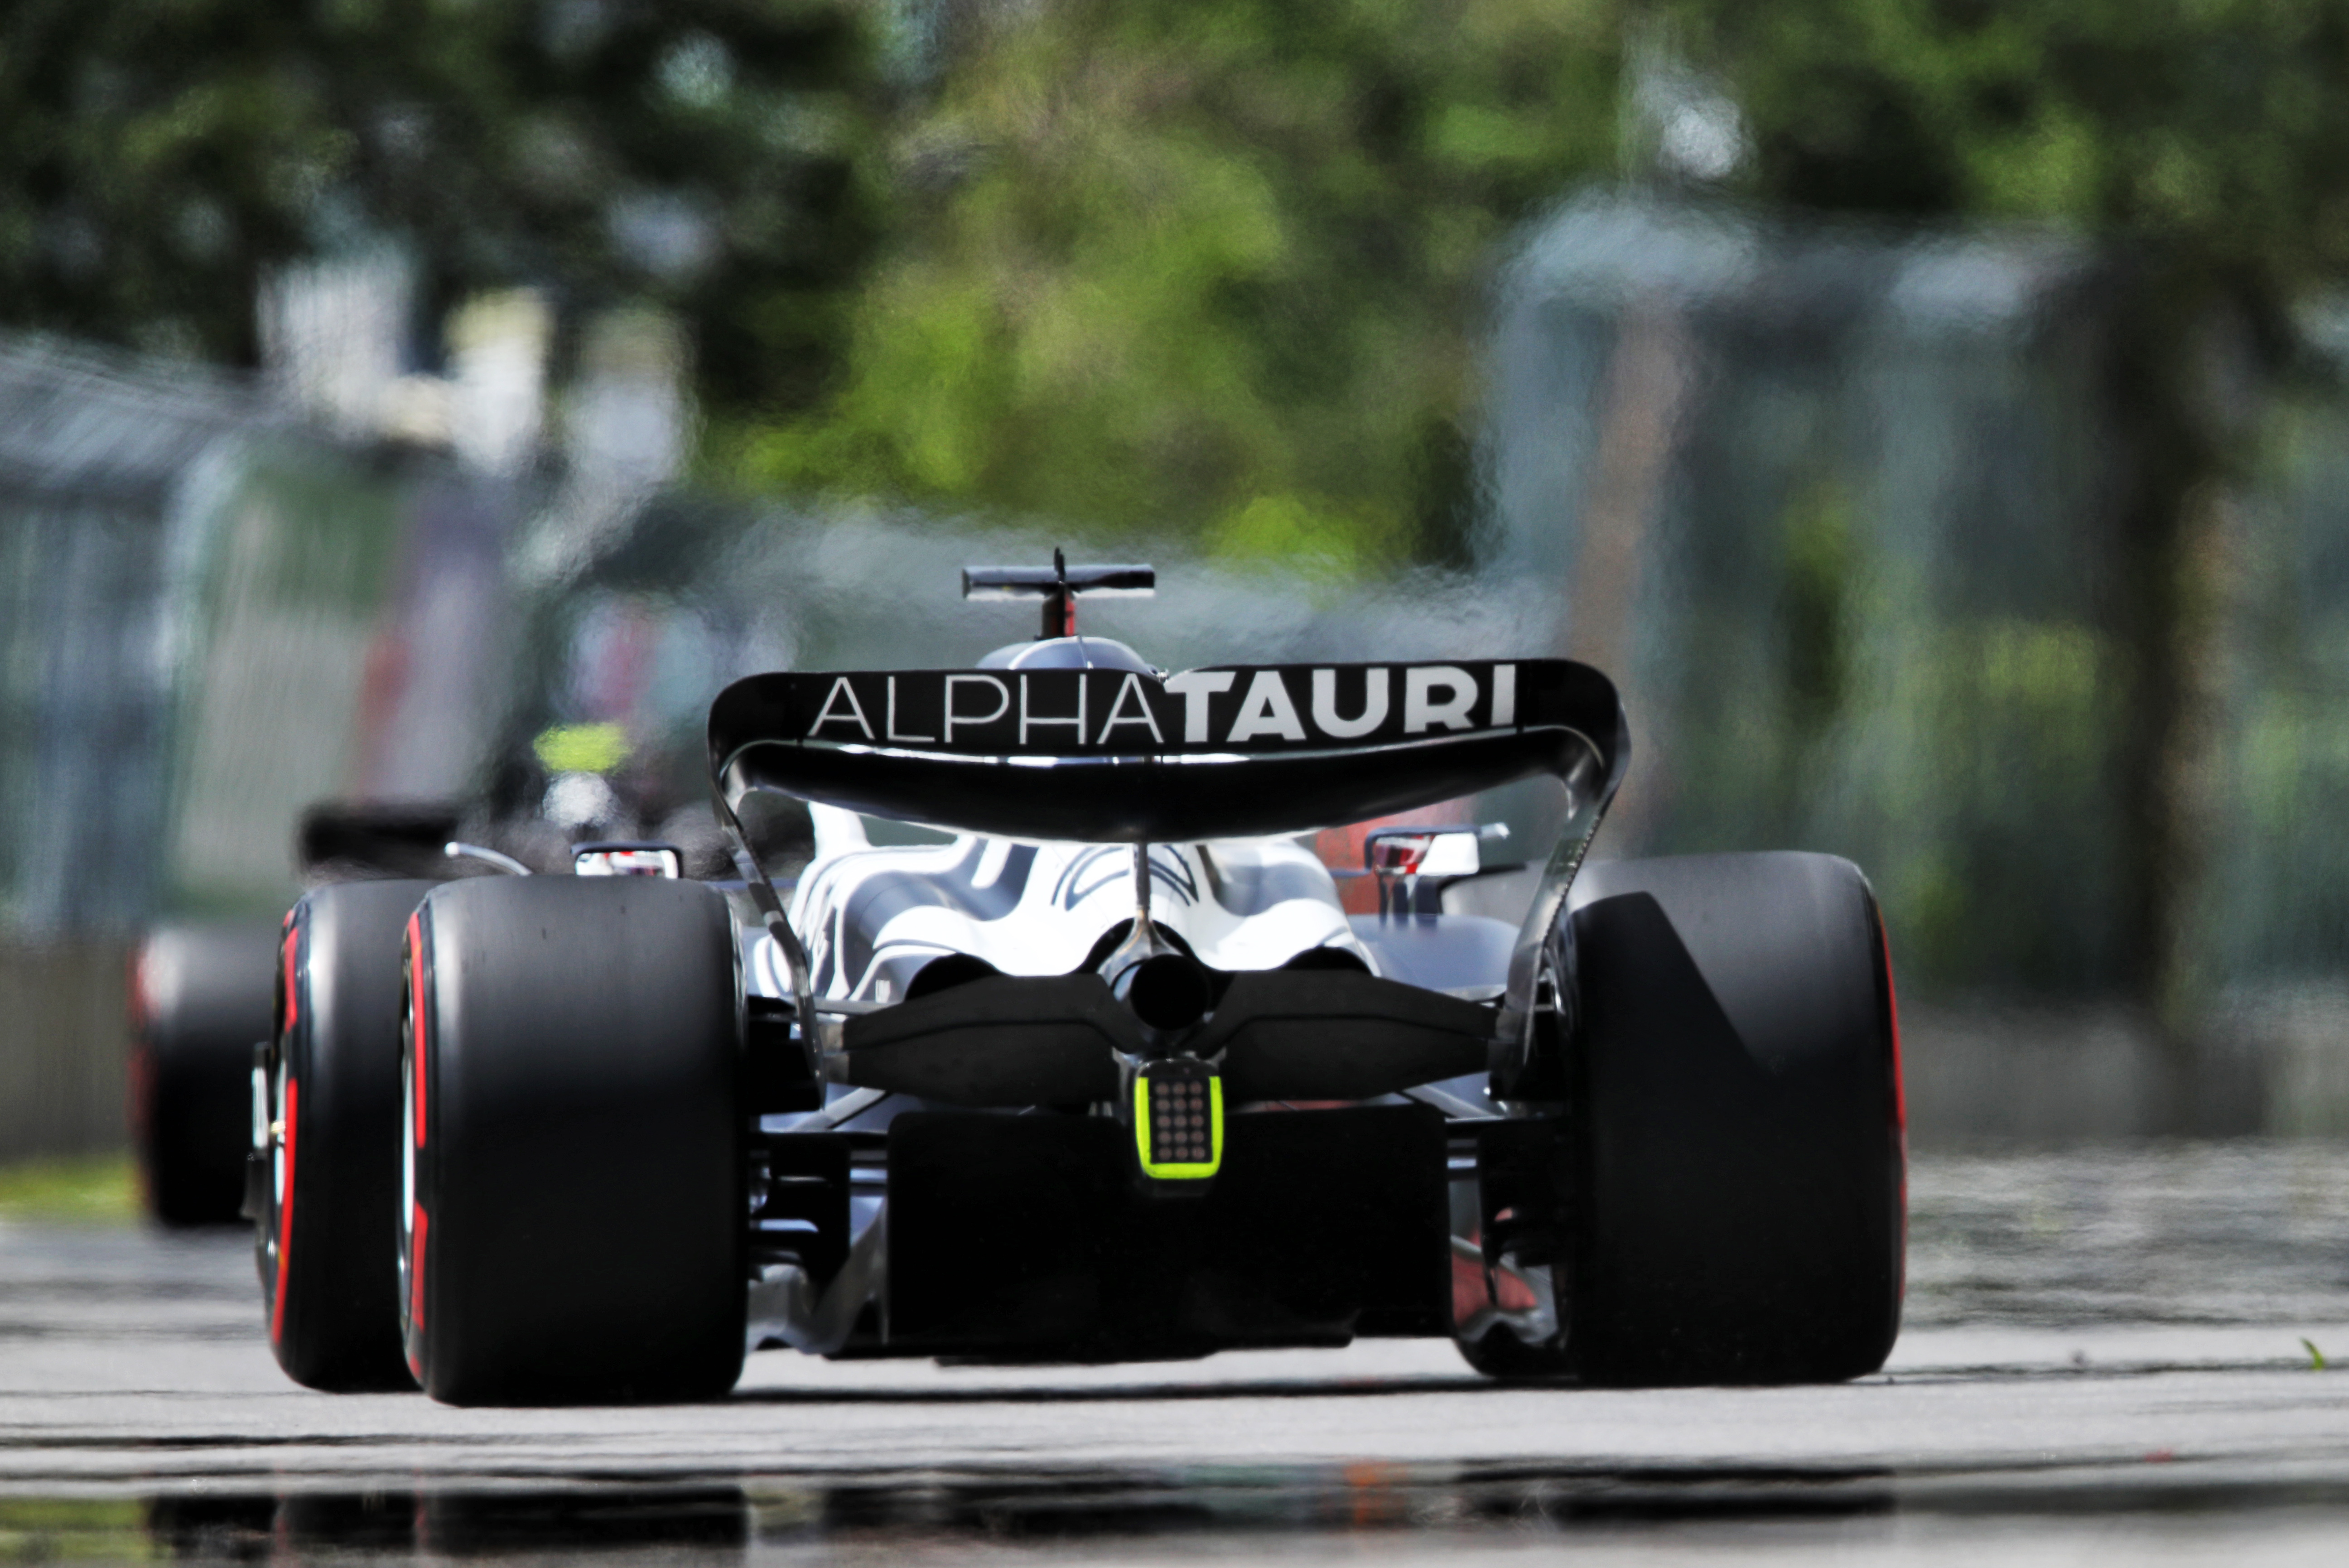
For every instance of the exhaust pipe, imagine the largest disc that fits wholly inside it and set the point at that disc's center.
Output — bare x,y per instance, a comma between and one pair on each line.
1167,992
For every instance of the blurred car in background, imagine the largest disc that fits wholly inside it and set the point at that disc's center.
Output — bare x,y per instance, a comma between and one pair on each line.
203,994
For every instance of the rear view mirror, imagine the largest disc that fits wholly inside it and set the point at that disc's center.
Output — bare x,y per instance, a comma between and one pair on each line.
1424,852
626,860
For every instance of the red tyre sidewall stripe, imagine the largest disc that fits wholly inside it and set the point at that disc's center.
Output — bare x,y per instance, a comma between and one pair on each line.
419,1003
420,1222
290,1013
142,1014
1892,1011
285,1213
1899,1094
293,995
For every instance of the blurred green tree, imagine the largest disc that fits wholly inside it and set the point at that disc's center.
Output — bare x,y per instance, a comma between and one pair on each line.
2204,143
1211,266
158,157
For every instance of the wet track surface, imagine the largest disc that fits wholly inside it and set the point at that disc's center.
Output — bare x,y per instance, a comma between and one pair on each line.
2105,1360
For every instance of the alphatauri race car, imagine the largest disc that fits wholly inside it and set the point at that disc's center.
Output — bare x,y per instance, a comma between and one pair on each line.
1102,1070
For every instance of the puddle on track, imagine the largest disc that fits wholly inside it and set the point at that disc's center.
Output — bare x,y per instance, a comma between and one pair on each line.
2202,1235
1379,1513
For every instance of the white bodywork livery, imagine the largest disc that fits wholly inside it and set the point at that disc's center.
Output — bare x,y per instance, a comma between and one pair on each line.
872,917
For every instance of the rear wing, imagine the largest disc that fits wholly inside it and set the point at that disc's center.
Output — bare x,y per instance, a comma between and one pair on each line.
1119,756
1108,755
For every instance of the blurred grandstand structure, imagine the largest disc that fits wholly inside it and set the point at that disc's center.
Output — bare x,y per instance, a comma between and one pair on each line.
1830,501
216,613
1841,506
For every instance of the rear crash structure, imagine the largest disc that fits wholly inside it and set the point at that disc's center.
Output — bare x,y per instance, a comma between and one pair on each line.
1110,1073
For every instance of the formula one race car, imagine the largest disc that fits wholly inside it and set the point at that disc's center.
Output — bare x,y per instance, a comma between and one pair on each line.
1104,1071
200,1003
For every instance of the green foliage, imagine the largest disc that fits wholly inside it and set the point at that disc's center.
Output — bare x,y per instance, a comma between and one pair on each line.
1211,266
2216,131
83,1189
2204,146
1819,556
160,156
74,1530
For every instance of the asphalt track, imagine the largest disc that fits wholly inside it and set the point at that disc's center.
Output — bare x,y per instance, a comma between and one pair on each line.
2104,1362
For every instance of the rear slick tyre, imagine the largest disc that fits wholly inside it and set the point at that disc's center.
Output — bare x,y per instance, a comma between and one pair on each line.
1740,1200
326,1232
574,1212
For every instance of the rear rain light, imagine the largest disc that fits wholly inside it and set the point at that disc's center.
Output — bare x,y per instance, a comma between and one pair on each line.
1178,1119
